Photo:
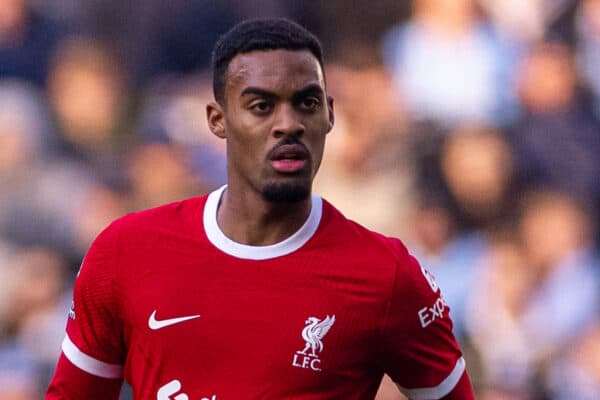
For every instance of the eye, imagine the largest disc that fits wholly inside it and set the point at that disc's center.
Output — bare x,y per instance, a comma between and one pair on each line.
310,103
261,107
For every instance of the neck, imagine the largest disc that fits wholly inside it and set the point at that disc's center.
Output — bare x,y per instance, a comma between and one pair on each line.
247,218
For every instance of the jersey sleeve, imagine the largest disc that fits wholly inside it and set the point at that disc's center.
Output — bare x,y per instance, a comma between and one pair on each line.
419,350
72,383
93,341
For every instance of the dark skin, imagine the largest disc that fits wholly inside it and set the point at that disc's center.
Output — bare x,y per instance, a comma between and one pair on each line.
271,98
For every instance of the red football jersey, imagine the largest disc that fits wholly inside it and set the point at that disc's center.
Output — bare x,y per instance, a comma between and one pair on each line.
167,301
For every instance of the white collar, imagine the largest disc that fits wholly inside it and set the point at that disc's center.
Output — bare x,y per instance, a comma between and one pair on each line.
298,239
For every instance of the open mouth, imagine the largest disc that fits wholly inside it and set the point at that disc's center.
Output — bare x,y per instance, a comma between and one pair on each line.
289,158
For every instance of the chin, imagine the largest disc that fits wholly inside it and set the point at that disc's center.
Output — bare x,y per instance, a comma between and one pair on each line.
286,192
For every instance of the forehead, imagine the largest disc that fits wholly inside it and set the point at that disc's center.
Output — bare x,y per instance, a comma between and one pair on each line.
274,70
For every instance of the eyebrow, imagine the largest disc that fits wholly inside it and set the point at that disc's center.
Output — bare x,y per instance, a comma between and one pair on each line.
256,90
312,88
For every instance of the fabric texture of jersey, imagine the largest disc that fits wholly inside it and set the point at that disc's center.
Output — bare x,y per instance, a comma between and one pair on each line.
165,300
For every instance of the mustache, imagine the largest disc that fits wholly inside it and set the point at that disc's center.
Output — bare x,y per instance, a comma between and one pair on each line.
289,140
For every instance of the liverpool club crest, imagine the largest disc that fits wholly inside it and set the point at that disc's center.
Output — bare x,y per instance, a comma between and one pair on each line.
313,334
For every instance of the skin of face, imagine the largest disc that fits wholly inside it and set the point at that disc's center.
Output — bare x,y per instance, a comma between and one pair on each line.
275,118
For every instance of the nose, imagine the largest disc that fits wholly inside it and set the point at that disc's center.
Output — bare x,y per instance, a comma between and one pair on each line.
287,122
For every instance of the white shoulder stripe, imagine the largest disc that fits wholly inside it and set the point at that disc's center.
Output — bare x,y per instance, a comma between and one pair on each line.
440,390
90,364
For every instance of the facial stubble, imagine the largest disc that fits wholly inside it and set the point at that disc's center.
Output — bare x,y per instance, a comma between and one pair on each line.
283,193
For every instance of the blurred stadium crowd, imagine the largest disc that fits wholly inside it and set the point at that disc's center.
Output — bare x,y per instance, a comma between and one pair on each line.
468,128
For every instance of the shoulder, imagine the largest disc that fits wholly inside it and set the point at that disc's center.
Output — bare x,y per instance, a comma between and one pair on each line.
382,250
138,231
167,215
389,256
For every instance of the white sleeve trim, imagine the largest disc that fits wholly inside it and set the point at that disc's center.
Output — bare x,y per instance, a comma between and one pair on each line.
90,364
440,390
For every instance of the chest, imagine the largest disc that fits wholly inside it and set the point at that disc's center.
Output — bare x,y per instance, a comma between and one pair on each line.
209,318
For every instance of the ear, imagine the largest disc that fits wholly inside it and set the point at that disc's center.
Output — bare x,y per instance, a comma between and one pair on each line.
331,114
215,117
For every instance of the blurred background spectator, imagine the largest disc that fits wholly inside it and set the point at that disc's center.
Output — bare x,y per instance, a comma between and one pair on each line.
27,40
468,128
535,292
588,48
450,65
557,136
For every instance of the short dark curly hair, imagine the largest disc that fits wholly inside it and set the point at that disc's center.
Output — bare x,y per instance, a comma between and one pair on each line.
259,34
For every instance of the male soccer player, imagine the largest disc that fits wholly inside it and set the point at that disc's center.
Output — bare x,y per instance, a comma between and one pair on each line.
260,289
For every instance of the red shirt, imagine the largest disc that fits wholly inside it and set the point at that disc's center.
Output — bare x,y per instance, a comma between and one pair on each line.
167,301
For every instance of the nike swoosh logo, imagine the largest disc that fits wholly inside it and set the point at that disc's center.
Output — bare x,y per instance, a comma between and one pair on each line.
155,324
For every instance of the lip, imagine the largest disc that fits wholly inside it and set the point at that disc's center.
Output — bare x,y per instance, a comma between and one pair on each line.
289,158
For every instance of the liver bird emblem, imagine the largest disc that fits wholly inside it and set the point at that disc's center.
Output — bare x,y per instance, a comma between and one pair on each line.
313,333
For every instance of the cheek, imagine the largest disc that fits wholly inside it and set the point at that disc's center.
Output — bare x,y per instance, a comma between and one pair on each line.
317,144
246,139
244,126
319,128
318,154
